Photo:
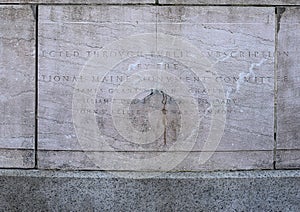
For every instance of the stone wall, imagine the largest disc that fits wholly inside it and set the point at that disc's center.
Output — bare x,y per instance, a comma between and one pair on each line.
149,86
149,105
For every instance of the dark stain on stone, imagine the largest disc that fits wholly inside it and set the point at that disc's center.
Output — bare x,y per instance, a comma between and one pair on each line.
34,11
279,12
164,112
157,100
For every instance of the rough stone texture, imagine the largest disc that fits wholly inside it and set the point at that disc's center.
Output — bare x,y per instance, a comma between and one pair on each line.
98,191
288,134
17,98
239,47
232,2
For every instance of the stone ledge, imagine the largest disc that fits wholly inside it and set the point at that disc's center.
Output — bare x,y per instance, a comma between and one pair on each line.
34,173
33,190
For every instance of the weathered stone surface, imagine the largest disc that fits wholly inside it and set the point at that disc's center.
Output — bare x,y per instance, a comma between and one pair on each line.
17,85
240,44
16,158
232,2
73,160
79,1
94,191
77,102
69,36
288,159
288,134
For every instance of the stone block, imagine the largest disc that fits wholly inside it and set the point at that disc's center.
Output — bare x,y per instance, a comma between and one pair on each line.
288,159
17,84
288,98
142,161
148,81
93,190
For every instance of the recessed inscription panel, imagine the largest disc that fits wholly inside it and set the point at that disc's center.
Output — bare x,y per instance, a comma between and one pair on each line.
67,43
147,85
17,68
288,89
